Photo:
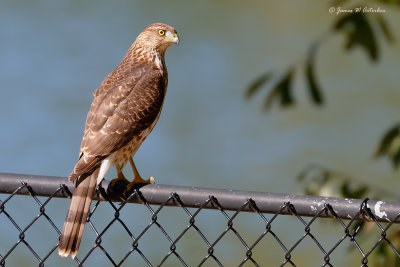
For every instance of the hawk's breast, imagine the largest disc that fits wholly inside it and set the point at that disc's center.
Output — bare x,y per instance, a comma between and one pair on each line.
122,155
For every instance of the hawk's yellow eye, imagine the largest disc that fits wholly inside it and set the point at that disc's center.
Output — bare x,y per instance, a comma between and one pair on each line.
161,32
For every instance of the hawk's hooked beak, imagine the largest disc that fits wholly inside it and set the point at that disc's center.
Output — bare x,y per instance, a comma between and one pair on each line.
172,37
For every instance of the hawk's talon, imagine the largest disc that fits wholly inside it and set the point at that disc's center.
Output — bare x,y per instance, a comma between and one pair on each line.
139,182
121,179
118,184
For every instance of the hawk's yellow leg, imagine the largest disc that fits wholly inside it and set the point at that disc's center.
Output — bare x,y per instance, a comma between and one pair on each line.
121,177
137,179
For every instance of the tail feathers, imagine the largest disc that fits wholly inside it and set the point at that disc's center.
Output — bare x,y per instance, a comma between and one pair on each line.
72,232
85,165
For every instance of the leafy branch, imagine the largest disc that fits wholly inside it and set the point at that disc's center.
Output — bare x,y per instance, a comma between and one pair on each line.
321,181
356,26
390,146
361,30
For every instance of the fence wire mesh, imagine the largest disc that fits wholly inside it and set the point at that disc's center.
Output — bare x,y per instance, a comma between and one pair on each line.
349,218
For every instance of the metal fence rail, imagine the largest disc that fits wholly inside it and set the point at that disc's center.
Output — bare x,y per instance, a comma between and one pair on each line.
348,213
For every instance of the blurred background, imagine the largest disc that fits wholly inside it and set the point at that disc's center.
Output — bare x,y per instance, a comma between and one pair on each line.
54,54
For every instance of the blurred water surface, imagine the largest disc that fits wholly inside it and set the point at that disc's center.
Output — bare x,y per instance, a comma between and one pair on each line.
53,54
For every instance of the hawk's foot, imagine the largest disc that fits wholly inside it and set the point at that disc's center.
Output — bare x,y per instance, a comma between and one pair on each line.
120,180
138,182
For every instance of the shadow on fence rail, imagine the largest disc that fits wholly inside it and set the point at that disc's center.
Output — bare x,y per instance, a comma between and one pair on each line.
349,214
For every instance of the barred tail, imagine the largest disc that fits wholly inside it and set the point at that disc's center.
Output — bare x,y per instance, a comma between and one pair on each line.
74,224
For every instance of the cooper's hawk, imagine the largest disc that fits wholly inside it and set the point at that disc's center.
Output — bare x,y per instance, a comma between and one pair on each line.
124,110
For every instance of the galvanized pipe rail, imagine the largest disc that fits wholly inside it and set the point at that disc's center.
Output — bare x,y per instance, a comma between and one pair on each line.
195,197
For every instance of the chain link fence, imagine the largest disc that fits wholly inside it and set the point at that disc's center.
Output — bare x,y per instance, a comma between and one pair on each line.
213,227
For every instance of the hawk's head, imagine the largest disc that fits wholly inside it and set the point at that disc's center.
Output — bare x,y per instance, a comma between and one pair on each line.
158,36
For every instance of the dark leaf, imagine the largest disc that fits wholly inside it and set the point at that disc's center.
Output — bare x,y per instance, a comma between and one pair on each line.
382,250
302,176
387,140
349,190
355,226
314,172
315,89
359,32
395,159
255,85
385,28
281,91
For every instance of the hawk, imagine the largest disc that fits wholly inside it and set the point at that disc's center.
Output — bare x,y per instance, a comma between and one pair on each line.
125,108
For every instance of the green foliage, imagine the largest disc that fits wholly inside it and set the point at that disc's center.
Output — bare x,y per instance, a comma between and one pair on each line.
389,146
320,181
384,254
314,87
361,30
324,182
281,91
350,190
257,84
358,32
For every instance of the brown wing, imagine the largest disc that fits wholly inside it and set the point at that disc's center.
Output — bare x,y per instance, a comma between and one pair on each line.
119,111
